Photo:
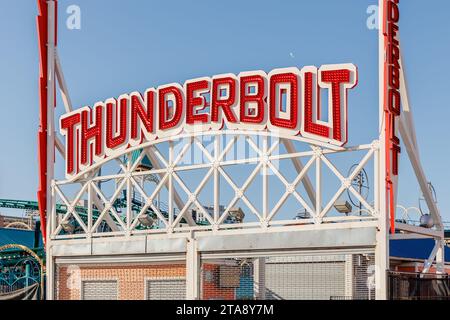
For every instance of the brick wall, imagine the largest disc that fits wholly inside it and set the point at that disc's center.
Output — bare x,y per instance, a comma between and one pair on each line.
210,284
130,278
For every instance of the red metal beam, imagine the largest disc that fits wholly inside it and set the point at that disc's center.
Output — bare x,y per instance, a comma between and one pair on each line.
42,32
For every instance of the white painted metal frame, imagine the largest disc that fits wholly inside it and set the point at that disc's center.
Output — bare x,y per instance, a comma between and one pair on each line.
167,170
171,168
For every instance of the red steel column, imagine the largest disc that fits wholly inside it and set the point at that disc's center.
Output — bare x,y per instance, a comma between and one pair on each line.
46,104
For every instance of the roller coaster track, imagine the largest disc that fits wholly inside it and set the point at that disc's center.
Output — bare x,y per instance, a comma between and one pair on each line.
82,211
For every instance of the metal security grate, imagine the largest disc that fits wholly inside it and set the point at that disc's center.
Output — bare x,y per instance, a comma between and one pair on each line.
363,277
417,286
288,277
99,290
301,277
166,289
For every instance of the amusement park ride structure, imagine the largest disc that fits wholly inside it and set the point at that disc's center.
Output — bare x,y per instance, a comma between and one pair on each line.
145,228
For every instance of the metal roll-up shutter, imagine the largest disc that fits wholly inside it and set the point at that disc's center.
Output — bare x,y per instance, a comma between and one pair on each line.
307,277
363,277
99,290
166,289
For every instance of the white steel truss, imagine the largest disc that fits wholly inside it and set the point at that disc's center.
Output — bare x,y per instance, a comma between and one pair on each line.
215,165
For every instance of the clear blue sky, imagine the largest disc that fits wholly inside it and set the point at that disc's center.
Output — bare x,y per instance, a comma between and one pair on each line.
125,46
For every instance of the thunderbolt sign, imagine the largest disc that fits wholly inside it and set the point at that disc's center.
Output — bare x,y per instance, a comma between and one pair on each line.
284,101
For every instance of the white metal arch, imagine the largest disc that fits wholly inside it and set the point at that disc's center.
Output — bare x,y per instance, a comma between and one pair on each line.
97,165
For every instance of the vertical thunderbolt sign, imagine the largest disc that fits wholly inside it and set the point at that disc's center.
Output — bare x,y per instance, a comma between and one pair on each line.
392,100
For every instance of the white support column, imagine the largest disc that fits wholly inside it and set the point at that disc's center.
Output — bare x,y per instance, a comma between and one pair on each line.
318,203
49,264
193,266
90,213
129,195
382,237
440,257
51,24
216,179
170,186
259,276
50,273
265,183
52,218
382,247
